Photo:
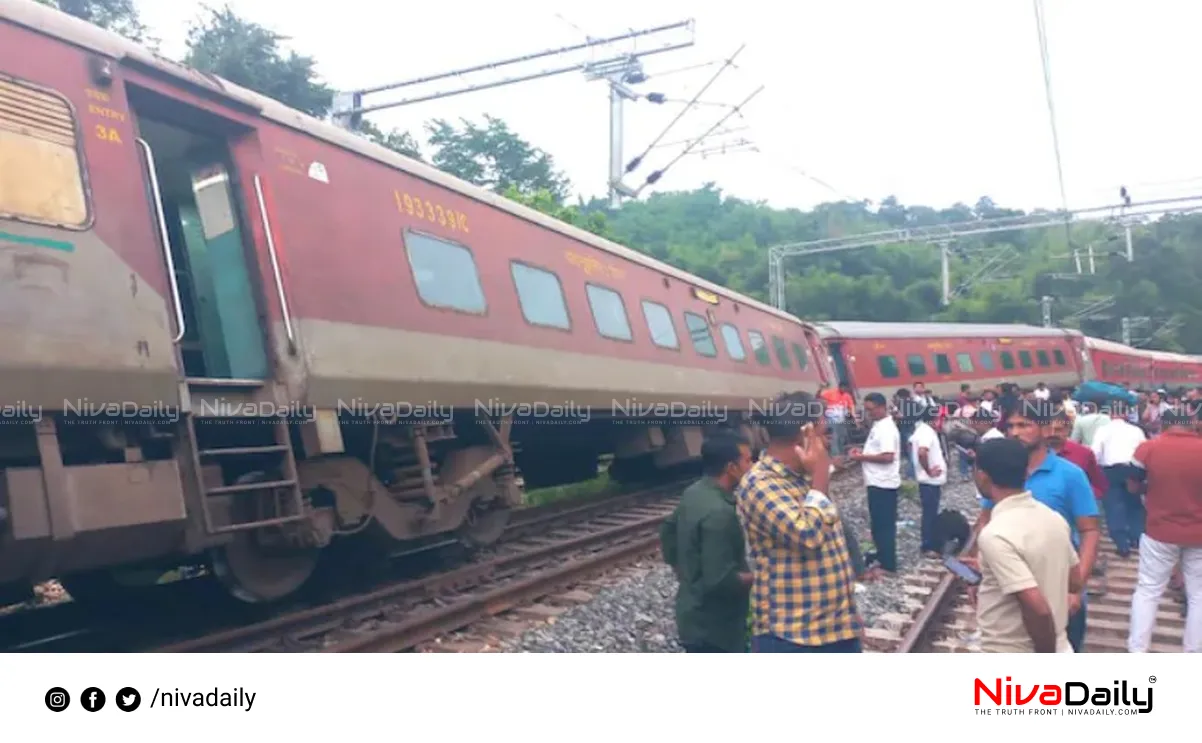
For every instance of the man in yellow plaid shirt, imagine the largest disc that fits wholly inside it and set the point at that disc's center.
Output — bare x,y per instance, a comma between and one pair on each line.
803,594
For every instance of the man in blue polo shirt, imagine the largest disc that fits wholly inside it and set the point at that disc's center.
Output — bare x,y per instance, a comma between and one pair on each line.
1060,485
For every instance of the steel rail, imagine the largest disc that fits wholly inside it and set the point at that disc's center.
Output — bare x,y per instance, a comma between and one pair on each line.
428,626
330,616
931,614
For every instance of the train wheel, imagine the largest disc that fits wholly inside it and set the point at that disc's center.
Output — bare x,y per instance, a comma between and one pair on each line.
257,568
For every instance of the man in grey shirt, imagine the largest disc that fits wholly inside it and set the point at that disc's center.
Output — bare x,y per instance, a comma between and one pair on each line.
1087,424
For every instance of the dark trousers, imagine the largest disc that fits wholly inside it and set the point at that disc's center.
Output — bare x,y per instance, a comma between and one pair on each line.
929,495
853,550
882,513
1125,514
774,644
1076,628
907,462
701,647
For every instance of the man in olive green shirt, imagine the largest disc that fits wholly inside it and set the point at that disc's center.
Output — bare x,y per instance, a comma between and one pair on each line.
703,542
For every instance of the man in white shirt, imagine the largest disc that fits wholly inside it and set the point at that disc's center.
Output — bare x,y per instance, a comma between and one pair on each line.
921,396
930,470
881,460
1114,445
1042,392
988,401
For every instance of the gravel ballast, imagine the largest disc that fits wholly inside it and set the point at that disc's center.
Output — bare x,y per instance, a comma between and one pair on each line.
636,615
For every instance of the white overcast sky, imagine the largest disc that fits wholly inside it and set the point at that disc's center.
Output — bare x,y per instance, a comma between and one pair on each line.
935,101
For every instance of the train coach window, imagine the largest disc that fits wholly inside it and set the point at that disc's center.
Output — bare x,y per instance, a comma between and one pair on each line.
917,365
1042,358
42,177
609,313
1024,359
759,347
734,344
1007,360
799,353
964,361
699,331
1058,355
659,322
445,274
888,367
540,296
782,353
986,361
942,365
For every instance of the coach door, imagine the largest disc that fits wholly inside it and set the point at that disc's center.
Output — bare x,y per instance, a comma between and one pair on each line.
839,362
193,187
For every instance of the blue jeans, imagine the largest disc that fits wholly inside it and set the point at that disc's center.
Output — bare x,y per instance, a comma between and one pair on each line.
929,496
838,431
774,644
1076,627
1125,514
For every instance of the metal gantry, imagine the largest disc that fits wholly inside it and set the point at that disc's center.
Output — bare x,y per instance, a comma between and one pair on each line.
945,235
620,70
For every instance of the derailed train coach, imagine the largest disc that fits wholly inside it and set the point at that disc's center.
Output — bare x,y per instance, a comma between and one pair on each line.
235,335
882,357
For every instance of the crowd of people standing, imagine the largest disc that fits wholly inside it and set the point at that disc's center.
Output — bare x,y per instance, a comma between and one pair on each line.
760,535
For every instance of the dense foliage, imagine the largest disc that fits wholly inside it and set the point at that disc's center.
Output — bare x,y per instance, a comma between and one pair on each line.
725,239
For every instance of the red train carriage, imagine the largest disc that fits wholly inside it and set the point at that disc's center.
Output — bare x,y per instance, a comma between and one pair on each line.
882,357
237,332
1174,370
1119,364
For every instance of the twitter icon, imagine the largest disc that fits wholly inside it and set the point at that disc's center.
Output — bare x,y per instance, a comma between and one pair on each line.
128,699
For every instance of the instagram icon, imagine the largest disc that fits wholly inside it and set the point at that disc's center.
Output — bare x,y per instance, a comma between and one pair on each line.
57,699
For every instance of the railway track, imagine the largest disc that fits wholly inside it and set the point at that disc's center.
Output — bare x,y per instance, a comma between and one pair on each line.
470,609
186,609
938,617
402,616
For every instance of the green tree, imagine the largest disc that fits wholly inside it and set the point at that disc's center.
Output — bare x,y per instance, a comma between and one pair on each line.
494,157
591,220
395,140
243,52
120,16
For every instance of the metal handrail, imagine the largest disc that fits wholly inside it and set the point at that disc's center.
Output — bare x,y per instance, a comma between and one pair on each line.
275,266
165,239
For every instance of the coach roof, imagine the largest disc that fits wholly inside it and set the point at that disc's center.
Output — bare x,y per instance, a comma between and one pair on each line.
935,330
83,34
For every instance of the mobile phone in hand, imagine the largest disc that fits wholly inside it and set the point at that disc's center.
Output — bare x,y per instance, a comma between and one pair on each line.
962,571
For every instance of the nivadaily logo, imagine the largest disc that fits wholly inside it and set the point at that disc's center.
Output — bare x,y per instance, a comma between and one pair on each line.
1070,697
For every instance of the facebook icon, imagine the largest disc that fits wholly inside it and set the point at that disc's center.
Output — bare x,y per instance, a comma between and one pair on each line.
92,699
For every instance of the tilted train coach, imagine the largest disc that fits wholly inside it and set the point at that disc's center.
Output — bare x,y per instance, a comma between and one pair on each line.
882,357
234,333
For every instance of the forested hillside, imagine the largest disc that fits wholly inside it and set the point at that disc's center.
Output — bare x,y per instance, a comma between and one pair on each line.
725,239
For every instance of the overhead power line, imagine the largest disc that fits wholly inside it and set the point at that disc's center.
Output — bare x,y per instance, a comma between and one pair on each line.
656,175
1041,31
344,113
944,234
638,160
